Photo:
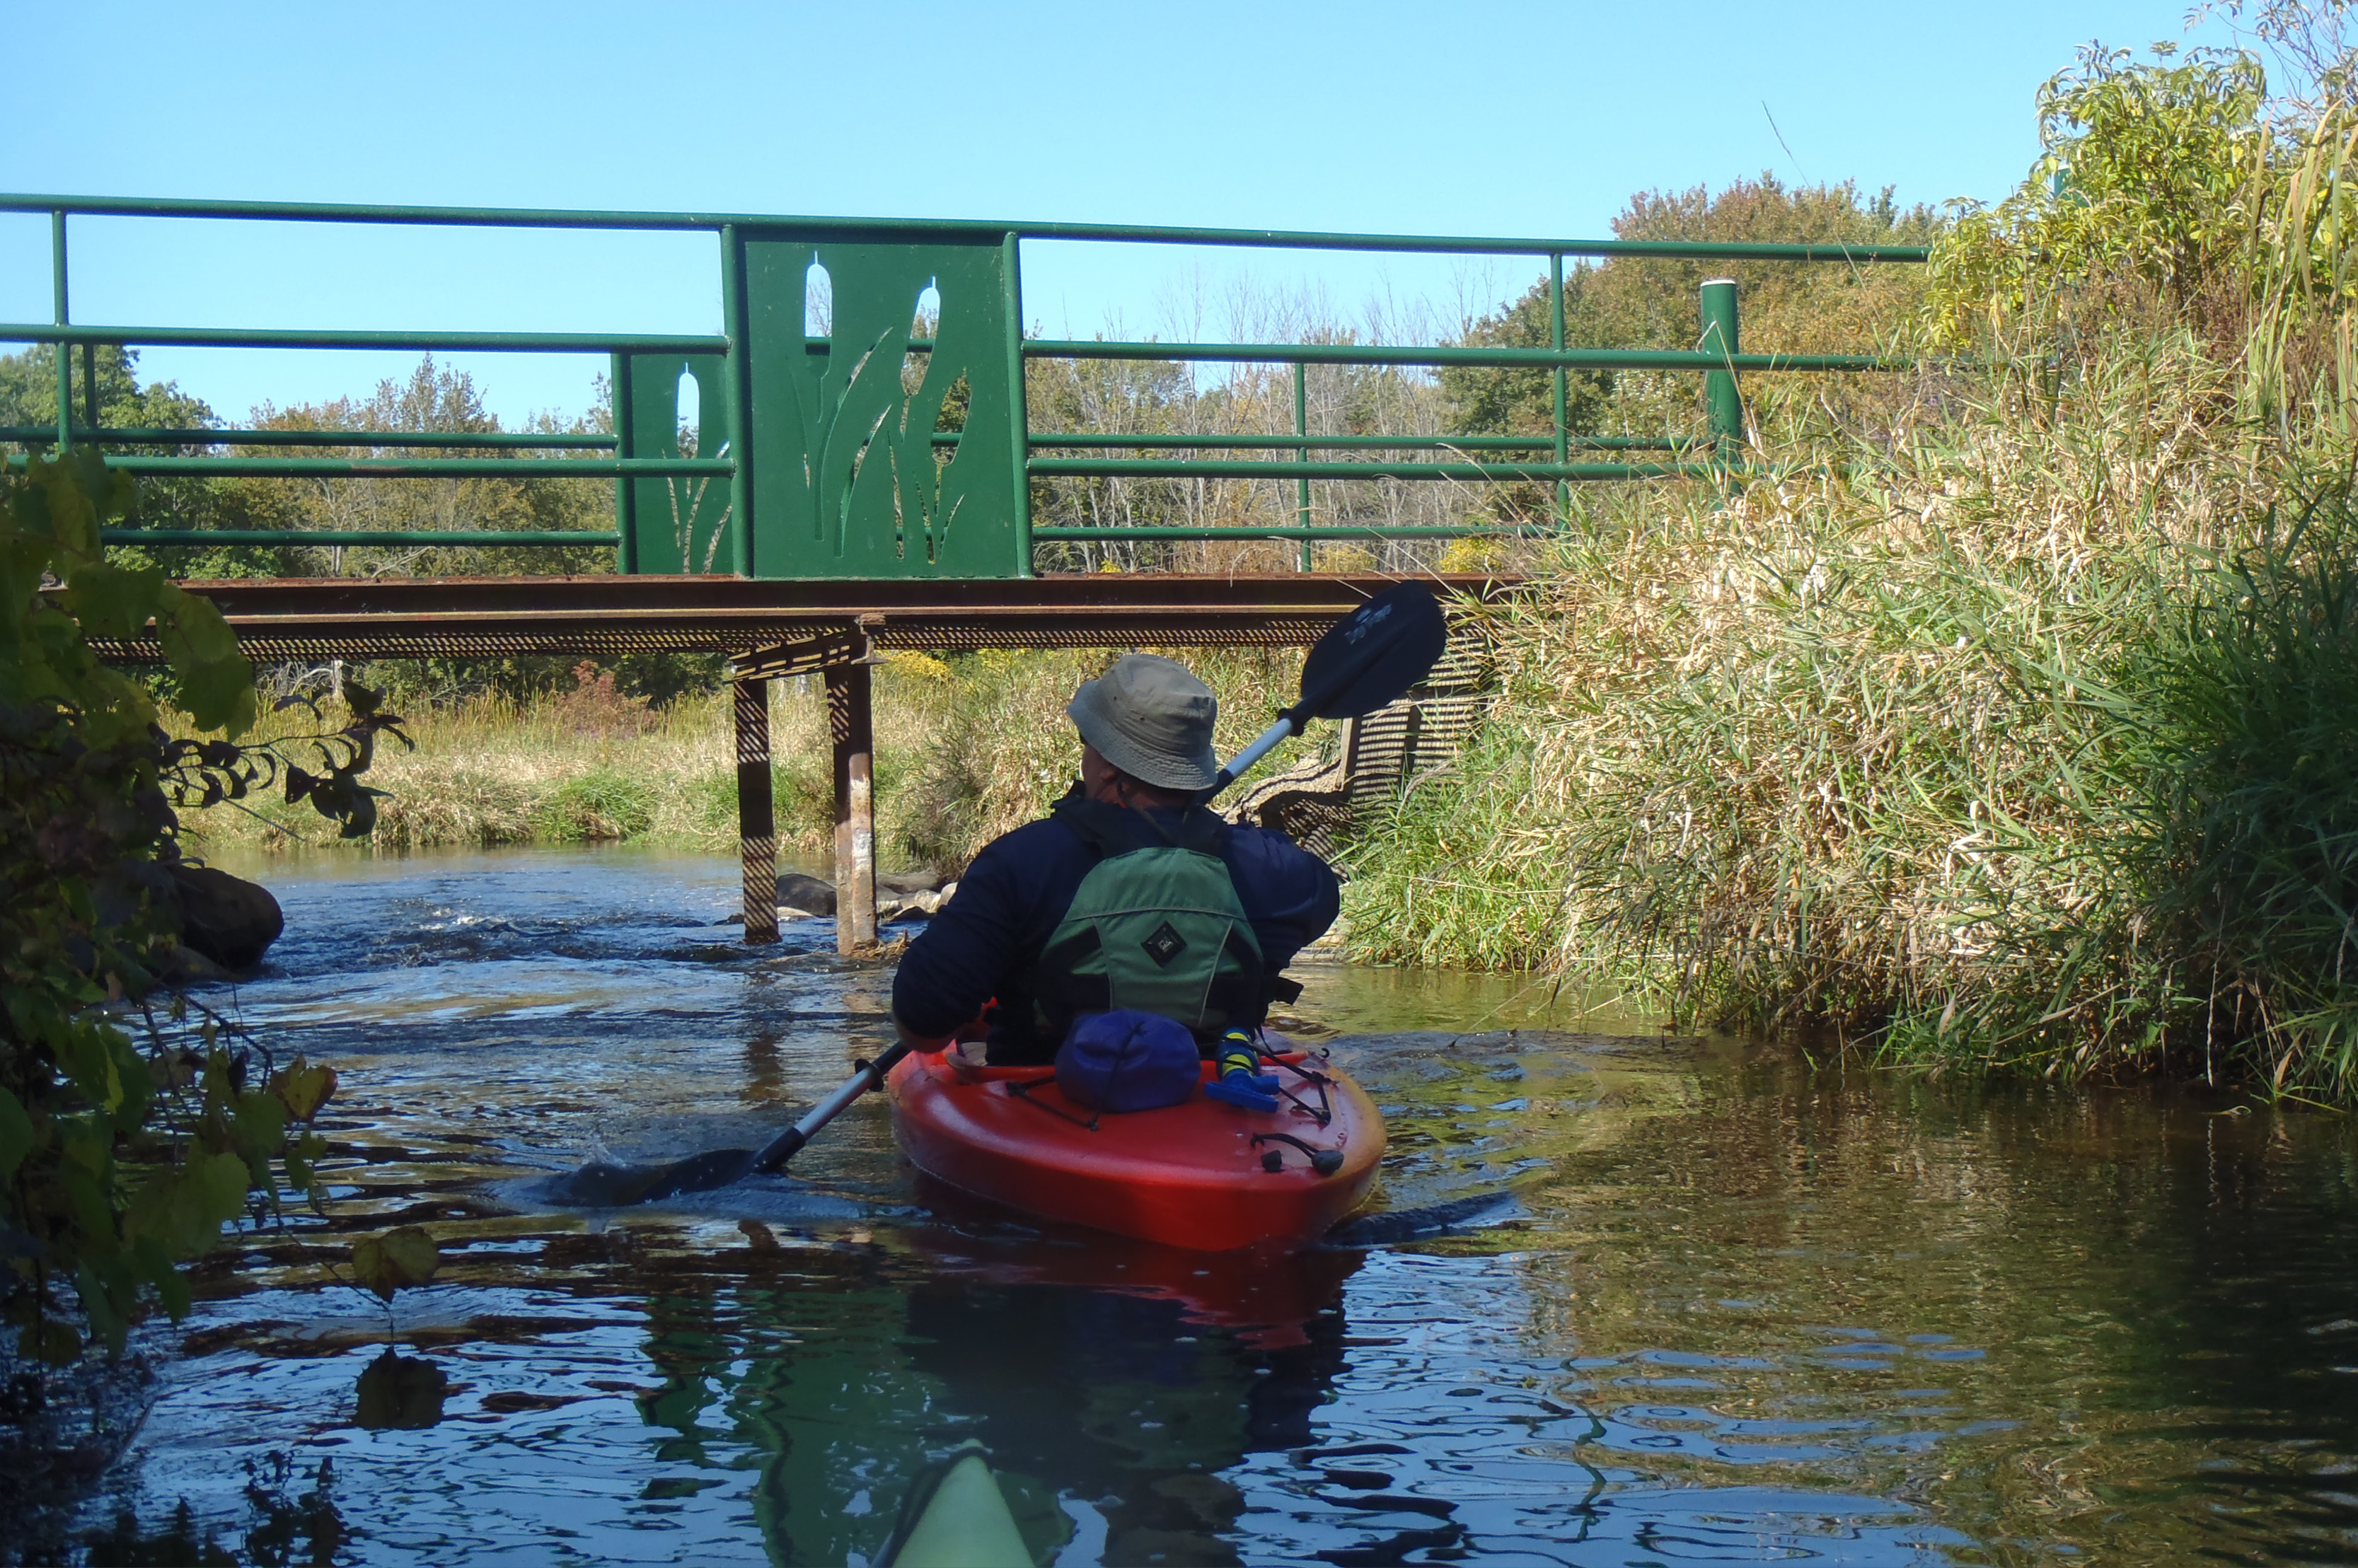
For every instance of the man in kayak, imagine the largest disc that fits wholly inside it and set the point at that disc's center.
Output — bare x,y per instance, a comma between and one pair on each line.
1130,895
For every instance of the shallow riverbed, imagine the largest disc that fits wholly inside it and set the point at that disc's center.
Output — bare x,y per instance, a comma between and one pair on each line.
1728,1308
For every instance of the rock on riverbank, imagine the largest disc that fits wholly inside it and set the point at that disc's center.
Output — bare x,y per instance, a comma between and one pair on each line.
223,919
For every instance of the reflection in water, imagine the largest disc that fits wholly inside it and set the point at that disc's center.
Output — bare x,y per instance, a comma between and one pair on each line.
1112,1387
399,1390
1730,1308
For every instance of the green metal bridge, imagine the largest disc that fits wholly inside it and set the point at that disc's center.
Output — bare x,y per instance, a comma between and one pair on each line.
873,453
867,488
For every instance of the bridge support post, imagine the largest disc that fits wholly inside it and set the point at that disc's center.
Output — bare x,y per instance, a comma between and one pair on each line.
757,835
850,723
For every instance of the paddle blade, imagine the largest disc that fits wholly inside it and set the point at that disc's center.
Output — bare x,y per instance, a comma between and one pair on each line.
1375,654
604,1184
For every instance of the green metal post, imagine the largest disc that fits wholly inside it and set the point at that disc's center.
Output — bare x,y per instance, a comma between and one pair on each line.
737,324
1555,340
1019,414
626,490
1722,407
1301,454
58,296
89,384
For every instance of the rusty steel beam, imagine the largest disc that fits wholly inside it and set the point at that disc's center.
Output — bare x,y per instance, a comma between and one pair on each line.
312,618
825,652
757,833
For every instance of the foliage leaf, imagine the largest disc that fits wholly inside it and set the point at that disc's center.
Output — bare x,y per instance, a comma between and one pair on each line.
303,1087
115,602
259,1123
59,1343
15,1133
217,1186
399,1259
119,1165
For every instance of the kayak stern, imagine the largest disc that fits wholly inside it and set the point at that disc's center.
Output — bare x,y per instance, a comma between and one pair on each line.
1201,1174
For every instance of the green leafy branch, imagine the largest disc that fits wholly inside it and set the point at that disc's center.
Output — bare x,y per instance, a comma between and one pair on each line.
118,1163
197,775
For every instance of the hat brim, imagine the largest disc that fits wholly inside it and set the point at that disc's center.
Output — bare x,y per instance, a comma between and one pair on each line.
1164,770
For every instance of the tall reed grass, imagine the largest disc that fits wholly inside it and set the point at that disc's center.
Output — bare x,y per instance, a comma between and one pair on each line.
2018,734
2239,727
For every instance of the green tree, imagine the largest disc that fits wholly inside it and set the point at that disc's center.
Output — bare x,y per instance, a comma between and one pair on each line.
434,399
1628,302
2174,194
29,400
2152,182
28,397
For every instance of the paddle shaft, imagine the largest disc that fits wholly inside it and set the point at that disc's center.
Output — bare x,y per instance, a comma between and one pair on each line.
1288,722
789,1143
1291,721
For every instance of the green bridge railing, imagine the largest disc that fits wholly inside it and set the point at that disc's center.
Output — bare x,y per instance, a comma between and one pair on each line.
841,456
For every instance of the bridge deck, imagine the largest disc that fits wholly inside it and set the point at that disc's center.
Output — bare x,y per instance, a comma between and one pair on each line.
356,618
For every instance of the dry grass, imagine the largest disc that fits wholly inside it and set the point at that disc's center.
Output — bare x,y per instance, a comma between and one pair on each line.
966,748
490,771
1889,740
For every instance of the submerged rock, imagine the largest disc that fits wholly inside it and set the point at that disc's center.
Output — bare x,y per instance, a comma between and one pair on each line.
898,894
802,895
912,905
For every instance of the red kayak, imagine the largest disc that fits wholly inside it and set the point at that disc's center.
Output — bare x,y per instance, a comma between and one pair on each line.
1199,1174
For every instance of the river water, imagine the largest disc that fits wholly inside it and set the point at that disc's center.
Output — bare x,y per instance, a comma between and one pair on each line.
1728,1307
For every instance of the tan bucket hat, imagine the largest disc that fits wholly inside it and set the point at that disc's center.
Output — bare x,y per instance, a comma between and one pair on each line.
1152,718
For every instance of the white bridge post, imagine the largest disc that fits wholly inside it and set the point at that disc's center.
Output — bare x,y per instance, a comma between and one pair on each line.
850,724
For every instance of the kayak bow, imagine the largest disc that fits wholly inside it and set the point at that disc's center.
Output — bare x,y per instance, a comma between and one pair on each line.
956,1516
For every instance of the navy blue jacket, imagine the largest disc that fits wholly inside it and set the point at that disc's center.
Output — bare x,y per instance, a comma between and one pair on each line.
985,941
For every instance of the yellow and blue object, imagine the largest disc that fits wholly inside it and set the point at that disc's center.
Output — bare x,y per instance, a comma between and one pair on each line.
1239,1081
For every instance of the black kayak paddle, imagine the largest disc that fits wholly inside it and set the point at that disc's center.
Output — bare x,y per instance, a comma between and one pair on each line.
1371,657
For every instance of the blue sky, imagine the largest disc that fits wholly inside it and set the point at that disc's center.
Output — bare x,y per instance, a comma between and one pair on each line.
1502,118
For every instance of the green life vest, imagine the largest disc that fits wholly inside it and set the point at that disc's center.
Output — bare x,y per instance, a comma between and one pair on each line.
1155,926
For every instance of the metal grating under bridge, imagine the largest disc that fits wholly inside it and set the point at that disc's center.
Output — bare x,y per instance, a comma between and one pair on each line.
286,619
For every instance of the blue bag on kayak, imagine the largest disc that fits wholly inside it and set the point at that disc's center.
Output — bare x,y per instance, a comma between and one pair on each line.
1128,1060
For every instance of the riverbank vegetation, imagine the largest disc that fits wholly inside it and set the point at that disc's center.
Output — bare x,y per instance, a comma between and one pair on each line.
2006,723
967,747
